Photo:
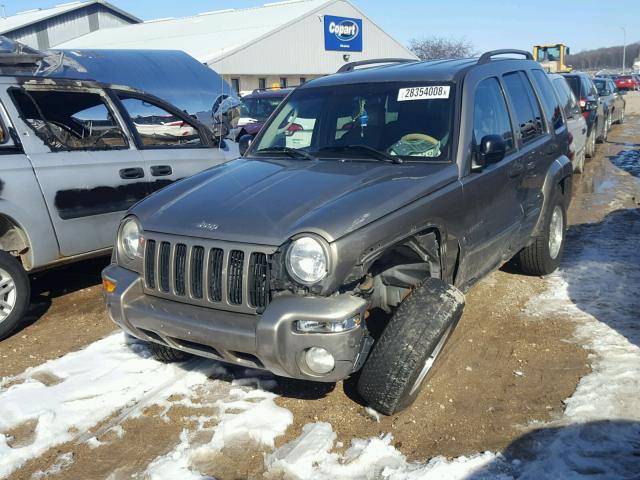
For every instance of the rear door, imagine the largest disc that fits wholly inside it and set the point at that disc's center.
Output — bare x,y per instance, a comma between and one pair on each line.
84,161
533,143
172,144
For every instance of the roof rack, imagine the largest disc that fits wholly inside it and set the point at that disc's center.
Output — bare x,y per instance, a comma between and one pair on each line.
486,56
350,67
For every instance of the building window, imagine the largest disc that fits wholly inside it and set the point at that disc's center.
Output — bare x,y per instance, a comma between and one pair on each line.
303,80
235,83
262,83
283,82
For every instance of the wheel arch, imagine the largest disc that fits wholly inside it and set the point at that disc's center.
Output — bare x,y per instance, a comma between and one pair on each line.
14,239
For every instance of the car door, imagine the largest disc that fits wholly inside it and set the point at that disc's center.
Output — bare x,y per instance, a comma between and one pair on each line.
619,103
492,195
537,146
84,161
172,144
575,121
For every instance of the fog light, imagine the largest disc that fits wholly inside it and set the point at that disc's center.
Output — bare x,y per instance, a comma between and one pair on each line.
314,326
319,360
109,285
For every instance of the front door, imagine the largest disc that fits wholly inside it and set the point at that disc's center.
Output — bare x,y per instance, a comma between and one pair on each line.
492,195
86,165
172,146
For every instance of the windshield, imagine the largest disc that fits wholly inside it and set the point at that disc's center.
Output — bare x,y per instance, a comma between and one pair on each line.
550,54
601,85
574,83
259,109
411,121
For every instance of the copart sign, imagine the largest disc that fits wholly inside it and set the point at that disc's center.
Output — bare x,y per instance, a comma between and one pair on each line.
342,33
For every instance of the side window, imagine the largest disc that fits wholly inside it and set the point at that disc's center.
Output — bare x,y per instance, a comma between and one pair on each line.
158,128
589,87
67,120
528,116
548,98
490,114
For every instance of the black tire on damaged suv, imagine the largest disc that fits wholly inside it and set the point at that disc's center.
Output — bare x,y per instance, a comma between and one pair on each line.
542,257
409,346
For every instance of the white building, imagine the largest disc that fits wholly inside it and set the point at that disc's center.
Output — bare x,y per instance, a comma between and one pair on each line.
44,28
283,43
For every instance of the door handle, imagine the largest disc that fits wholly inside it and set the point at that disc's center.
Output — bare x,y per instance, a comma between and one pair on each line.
516,170
131,173
161,170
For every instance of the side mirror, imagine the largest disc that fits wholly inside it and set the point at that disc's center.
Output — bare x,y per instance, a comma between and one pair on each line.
244,143
492,149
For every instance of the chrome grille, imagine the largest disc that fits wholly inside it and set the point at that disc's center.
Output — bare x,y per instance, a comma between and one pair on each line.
217,274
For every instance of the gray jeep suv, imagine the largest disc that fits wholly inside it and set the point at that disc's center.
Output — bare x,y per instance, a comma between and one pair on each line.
399,188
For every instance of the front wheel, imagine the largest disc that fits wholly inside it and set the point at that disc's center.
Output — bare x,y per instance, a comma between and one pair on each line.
15,293
543,256
409,346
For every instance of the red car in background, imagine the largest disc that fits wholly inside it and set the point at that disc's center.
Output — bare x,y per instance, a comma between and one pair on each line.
256,108
627,82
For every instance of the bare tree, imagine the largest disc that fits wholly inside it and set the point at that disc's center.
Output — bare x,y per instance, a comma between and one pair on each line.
433,48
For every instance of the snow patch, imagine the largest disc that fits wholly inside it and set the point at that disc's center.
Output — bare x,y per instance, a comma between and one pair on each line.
96,382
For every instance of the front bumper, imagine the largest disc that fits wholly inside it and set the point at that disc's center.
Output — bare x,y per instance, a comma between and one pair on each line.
266,341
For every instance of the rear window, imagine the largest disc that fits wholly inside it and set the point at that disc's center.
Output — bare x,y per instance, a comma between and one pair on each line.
528,115
574,83
601,85
548,98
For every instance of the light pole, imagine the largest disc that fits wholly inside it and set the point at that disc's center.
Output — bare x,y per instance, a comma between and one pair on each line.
624,48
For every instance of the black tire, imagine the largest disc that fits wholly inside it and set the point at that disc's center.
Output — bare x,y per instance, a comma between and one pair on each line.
579,166
537,258
391,378
590,147
20,293
621,120
165,354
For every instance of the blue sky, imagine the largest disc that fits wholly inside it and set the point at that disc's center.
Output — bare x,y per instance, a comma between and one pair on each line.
488,24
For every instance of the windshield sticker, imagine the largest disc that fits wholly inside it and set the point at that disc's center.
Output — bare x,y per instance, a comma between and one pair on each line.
423,93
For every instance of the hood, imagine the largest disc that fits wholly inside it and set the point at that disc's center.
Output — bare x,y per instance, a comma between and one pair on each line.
268,201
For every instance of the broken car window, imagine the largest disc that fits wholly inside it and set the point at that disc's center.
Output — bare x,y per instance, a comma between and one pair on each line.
158,128
68,120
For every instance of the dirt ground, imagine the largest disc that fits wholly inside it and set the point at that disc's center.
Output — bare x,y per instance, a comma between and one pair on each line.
501,372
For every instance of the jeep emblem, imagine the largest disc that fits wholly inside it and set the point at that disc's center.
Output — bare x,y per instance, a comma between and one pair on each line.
208,226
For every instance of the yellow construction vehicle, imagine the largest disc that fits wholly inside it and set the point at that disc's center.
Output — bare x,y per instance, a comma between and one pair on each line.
552,57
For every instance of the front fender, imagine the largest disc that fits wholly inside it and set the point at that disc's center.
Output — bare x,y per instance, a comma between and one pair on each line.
559,175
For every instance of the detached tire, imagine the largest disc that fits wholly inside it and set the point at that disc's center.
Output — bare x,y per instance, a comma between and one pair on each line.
543,256
15,294
165,354
392,376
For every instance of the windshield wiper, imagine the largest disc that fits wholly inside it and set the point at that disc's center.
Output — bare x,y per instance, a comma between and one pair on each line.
292,152
373,153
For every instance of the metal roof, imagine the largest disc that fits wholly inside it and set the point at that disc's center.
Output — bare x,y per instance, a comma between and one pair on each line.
207,36
29,17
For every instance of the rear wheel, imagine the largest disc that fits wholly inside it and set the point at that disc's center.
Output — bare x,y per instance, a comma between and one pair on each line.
409,346
579,165
15,293
621,121
543,256
165,354
591,143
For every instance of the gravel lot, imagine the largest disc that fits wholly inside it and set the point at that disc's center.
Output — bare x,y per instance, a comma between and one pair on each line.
508,368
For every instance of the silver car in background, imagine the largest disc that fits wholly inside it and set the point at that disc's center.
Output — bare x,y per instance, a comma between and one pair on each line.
576,123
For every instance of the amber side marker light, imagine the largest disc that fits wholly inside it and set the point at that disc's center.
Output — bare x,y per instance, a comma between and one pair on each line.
109,285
